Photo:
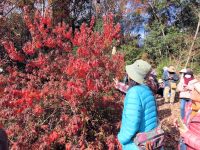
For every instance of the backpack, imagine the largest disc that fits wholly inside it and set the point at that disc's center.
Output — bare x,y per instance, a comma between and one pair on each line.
151,140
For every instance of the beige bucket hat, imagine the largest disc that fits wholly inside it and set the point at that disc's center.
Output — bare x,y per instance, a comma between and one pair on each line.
138,70
171,69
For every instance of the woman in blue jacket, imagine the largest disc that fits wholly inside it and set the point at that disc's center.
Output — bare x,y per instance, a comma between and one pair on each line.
140,112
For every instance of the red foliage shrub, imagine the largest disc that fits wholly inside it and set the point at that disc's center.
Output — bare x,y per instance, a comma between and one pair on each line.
57,92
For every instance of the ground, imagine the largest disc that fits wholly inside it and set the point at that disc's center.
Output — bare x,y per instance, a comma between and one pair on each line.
167,113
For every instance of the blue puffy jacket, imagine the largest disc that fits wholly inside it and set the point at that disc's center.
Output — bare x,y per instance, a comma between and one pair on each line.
139,115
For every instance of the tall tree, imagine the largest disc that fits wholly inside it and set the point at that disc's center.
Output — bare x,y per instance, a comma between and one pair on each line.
73,12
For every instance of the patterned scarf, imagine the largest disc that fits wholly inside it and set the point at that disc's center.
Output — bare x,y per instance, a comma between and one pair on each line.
187,80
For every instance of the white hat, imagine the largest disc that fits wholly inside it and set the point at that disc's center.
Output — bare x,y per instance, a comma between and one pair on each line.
183,70
171,69
165,68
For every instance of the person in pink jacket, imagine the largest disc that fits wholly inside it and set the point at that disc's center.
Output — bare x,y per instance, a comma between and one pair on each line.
190,131
184,87
191,134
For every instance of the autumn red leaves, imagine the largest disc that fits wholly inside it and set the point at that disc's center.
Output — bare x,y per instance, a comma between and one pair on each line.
58,88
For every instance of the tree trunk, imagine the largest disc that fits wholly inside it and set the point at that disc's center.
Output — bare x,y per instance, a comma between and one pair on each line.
43,7
194,38
1,8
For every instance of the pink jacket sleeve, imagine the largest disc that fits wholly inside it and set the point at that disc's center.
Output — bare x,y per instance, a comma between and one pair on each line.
191,139
191,84
122,87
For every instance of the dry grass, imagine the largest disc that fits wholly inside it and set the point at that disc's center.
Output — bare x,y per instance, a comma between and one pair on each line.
167,114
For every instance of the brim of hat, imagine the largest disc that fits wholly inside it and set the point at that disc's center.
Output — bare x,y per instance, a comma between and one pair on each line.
134,75
170,70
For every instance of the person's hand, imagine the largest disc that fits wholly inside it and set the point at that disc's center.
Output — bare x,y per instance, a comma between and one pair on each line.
116,81
183,129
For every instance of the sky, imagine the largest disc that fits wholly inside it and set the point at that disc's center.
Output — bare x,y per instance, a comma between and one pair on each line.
139,28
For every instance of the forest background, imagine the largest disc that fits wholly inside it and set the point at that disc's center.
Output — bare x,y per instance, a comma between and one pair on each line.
162,30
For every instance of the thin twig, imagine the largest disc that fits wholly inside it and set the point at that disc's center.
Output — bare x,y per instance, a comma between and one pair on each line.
48,117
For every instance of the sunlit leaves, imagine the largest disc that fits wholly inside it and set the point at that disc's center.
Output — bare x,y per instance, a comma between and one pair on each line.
57,88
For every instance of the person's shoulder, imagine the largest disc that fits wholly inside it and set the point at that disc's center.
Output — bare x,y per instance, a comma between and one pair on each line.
141,91
135,89
139,88
165,72
194,81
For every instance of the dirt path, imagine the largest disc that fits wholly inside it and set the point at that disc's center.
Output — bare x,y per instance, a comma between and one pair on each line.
167,114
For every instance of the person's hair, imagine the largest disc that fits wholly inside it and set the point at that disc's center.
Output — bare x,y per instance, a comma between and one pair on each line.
151,82
188,74
189,71
132,83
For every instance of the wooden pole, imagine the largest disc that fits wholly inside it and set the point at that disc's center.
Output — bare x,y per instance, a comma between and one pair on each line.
192,45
